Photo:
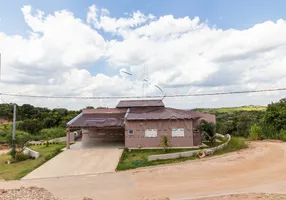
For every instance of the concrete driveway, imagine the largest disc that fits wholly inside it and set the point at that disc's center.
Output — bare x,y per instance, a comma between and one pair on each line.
82,159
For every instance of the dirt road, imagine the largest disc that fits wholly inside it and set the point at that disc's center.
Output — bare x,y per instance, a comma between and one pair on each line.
259,169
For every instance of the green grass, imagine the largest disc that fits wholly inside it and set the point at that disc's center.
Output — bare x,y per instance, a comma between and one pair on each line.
20,169
235,144
139,158
232,109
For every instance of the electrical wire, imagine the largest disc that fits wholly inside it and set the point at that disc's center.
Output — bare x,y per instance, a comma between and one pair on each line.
139,97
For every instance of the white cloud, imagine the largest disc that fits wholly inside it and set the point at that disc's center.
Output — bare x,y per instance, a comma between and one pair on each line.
181,55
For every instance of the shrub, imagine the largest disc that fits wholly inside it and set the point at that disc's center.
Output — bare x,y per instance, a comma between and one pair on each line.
21,138
165,142
255,132
235,143
282,135
268,132
21,156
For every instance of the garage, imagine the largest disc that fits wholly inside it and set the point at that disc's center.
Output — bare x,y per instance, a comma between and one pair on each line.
98,127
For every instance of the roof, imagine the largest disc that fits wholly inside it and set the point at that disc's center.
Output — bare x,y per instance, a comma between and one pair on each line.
140,103
104,110
160,113
98,120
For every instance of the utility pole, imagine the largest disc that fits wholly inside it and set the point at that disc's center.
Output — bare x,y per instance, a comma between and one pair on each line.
14,132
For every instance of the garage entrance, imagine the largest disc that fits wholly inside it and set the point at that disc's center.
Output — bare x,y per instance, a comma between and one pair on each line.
98,138
99,127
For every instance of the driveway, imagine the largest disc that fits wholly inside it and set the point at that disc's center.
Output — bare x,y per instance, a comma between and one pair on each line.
258,169
81,159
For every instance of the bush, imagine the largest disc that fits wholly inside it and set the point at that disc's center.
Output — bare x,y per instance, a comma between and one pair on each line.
32,126
21,138
282,135
235,144
269,132
255,132
21,157
165,142
51,133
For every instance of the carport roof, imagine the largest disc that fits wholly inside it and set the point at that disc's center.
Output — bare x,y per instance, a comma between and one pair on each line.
98,120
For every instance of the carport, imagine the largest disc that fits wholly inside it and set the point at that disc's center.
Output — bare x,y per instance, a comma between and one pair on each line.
105,124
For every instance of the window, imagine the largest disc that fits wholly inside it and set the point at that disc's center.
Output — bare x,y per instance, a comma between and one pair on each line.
151,133
130,132
178,132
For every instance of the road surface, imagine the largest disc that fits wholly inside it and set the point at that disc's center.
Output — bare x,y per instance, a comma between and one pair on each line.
260,168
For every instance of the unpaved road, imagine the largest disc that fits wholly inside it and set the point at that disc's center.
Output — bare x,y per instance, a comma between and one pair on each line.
258,169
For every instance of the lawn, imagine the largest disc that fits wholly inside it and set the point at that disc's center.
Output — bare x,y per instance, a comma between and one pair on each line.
139,157
20,169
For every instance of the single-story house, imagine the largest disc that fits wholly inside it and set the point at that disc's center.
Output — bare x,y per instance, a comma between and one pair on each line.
141,123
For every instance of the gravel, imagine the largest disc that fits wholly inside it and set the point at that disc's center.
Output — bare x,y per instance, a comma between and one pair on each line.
29,193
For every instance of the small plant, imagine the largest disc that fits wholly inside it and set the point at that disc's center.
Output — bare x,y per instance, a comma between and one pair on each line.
165,143
21,157
208,131
255,132
282,135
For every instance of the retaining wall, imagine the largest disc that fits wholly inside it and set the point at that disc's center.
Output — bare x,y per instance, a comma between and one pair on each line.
208,151
31,153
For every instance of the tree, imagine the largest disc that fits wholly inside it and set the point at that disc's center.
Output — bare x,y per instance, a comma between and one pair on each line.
32,126
276,114
21,138
208,131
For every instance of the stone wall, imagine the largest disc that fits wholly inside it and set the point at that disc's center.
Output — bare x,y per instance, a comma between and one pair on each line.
208,151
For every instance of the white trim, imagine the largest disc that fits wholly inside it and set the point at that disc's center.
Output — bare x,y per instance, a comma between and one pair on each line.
74,119
150,133
178,132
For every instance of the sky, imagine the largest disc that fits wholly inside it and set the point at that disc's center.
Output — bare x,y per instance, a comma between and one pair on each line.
83,48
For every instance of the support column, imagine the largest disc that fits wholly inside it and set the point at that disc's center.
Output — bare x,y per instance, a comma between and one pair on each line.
68,137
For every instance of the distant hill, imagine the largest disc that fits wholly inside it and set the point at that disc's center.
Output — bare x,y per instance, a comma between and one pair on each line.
232,109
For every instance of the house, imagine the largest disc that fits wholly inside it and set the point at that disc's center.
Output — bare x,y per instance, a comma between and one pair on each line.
141,123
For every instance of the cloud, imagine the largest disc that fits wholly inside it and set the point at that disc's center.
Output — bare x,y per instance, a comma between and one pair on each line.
181,55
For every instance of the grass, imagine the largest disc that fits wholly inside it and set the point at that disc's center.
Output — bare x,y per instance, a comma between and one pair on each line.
139,158
235,144
20,169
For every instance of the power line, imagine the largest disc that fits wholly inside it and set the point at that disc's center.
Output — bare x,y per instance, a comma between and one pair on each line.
139,97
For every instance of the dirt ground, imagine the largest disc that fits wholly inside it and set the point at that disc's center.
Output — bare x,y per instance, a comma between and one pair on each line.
248,197
258,169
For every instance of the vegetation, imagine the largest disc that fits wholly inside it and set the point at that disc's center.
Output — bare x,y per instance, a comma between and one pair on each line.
35,121
235,144
165,143
18,170
208,130
131,159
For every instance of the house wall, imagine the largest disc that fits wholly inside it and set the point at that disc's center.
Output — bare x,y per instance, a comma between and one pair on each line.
115,135
164,127
207,117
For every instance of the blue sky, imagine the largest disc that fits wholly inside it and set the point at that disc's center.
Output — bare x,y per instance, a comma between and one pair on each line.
224,14
228,53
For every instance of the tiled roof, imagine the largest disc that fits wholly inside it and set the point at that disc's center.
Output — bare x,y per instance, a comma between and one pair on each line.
98,120
140,103
160,113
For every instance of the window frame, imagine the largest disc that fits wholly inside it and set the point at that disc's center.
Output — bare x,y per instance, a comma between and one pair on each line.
176,129
150,131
